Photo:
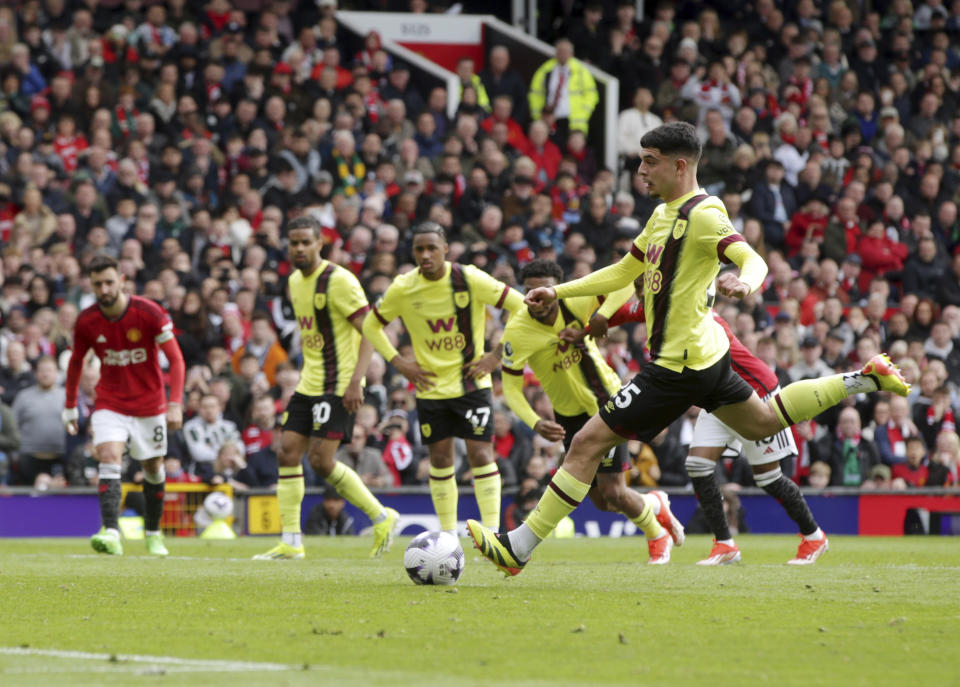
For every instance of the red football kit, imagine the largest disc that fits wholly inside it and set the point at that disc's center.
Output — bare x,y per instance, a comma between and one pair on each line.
131,381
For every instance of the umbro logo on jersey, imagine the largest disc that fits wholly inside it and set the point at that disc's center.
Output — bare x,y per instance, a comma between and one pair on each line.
101,339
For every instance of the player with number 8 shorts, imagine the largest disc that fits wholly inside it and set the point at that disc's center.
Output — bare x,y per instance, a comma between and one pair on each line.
329,305
126,333
444,308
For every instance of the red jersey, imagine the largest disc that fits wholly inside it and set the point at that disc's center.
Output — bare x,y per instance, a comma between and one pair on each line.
131,381
751,369
256,439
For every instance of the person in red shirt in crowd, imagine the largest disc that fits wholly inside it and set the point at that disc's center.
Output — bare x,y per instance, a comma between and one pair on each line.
880,254
807,223
544,152
258,435
503,112
127,334
914,471
68,144
397,453
842,231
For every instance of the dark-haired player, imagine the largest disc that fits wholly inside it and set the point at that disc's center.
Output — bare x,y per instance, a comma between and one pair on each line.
126,333
329,305
678,255
444,308
578,381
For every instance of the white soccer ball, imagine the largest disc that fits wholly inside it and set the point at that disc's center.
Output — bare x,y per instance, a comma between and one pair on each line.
434,558
218,505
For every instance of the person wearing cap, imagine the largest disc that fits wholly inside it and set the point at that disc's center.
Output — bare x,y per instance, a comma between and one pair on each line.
810,365
563,92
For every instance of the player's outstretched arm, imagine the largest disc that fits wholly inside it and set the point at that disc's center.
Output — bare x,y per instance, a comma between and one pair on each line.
611,278
178,368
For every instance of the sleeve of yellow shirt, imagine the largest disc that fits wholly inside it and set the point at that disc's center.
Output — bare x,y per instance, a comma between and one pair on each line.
615,277
513,390
753,269
615,300
380,316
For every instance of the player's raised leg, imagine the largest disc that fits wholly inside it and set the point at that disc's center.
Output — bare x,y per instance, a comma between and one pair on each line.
349,485
290,491
569,486
486,482
754,419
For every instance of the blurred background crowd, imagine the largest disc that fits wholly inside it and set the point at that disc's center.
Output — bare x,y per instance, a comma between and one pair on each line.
183,136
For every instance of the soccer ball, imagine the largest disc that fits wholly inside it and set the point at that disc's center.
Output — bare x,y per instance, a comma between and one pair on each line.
434,558
218,505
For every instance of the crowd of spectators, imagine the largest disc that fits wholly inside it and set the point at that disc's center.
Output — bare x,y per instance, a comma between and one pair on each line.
183,136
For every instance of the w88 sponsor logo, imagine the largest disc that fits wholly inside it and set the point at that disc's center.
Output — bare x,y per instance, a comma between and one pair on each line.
125,357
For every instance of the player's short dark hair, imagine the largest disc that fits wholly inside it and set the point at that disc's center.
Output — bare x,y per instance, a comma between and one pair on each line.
305,222
675,138
260,315
101,262
540,269
430,228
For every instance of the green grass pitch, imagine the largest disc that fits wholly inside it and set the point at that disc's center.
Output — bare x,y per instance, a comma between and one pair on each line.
586,612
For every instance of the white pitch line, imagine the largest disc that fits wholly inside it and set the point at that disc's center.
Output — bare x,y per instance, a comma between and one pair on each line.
174,661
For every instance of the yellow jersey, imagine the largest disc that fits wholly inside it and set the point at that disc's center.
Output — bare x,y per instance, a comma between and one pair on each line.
679,261
323,302
575,377
445,319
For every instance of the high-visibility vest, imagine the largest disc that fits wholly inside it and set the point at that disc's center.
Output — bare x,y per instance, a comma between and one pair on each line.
483,100
582,89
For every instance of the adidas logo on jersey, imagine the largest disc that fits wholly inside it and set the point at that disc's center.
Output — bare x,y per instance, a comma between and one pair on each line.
768,451
101,339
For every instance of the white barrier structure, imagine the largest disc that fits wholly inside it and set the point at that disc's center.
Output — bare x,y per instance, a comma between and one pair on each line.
432,43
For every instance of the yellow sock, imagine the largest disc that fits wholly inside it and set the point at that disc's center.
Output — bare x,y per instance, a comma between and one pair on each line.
349,485
647,521
808,398
486,487
443,491
563,494
289,497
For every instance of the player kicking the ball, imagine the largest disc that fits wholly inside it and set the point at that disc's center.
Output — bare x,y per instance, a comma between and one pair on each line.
677,256
712,440
577,380
126,333
329,305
